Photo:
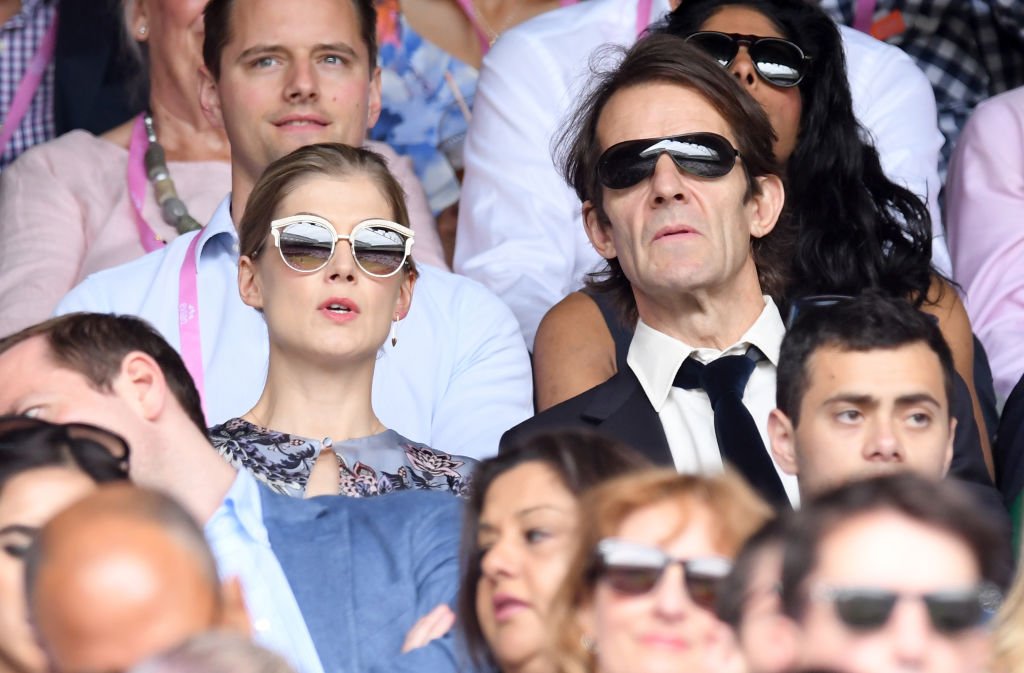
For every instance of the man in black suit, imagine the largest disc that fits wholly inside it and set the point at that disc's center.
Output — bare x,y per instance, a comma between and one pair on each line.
680,192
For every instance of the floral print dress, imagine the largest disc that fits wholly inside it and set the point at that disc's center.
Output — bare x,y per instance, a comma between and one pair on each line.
368,466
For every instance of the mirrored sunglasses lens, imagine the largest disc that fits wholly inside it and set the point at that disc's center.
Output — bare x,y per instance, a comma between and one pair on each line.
703,155
951,613
865,610
306,246
632,580
379,251
718,46
778,61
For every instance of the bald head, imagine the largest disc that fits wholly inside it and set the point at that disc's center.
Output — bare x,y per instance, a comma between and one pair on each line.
120,575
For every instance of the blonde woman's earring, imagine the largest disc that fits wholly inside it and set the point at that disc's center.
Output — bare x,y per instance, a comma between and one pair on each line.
394,332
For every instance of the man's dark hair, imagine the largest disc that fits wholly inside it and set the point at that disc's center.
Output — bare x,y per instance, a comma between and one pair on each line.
734,591
940,504
580,459
872,321
667,59
217,26
95,345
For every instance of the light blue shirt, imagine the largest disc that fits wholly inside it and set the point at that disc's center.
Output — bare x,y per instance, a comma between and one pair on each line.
240,544
459,377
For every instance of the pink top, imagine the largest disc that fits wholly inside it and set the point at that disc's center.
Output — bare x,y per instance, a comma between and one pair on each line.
65,213
984,206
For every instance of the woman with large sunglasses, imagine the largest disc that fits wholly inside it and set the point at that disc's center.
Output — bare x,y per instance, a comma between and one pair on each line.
43,468
641,589
854,228
325,255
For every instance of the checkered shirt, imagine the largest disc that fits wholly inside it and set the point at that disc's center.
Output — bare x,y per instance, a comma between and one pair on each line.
969,50
20,38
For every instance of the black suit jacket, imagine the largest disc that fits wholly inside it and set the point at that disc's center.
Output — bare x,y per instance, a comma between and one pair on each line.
619,408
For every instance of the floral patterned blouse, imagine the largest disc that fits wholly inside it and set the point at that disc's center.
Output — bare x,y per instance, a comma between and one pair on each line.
368,466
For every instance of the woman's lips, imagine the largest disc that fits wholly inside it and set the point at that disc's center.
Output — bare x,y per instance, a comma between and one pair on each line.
506,607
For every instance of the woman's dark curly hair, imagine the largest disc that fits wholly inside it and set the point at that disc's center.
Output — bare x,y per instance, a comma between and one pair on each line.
855,229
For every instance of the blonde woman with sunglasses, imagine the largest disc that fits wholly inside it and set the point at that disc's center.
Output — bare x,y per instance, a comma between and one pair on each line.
640,592
325,255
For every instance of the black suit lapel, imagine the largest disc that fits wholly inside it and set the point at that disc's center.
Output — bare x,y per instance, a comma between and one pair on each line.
620,409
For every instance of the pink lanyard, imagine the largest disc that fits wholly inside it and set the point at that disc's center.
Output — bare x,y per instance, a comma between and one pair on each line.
29,84
137,185
191,347
865,14
643,16
188,277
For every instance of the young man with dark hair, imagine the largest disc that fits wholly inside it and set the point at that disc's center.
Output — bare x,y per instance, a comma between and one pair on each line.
863,386
893,573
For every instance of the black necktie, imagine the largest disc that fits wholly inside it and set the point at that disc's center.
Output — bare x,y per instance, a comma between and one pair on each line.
738,439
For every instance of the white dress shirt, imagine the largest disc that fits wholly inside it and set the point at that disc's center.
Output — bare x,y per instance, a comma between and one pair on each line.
520,226
686,415
240,544
459,377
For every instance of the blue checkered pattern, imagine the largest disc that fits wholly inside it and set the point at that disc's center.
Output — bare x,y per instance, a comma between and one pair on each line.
20,38
969,49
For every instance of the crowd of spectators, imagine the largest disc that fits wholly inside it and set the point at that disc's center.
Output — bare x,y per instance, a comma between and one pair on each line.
531,336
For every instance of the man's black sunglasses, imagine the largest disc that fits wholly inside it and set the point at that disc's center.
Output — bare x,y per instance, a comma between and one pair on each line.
777,61
101,454
704,155
950,611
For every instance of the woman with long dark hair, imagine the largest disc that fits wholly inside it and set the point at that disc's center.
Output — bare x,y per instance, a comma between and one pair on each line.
853,228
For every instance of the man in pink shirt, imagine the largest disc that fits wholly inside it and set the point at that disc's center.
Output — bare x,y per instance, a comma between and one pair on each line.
984,201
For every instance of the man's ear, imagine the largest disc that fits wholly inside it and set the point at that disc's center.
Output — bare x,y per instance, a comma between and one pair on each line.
766,206
949,445
781,435
374,100
600,234
249,288
141,384
209,98
234,614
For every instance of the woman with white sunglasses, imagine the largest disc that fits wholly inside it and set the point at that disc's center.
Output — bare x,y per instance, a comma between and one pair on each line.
325,255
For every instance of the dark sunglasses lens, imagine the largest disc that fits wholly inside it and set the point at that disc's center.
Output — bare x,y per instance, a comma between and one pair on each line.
306,246
865,610
632,580
623,165
778,61
954,612
703,589
379,251
718,46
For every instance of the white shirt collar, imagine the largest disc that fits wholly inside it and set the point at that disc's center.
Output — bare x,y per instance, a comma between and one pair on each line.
655,357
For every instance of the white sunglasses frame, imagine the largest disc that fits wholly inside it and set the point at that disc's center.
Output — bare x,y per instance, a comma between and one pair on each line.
277,225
